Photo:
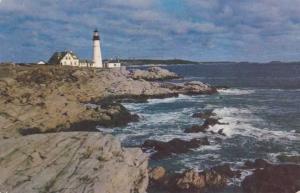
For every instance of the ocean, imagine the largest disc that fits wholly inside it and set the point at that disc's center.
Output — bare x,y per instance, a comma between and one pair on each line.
261,107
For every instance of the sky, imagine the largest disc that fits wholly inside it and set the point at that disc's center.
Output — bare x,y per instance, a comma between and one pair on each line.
202,30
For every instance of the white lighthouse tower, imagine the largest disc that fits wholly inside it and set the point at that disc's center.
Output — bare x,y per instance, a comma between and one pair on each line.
97,57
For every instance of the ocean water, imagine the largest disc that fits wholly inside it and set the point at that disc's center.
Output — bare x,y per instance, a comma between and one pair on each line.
262,109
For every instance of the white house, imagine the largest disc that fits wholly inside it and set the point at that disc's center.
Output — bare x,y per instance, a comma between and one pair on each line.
66,58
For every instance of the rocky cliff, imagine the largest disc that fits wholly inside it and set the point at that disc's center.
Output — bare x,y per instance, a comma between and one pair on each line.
71,162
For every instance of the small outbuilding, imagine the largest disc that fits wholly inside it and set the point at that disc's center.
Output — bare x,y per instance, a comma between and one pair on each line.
41,62
113,65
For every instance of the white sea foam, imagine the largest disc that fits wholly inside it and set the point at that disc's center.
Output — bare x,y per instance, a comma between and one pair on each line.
169,100
209,148
134,106
241,122
104,130
235,91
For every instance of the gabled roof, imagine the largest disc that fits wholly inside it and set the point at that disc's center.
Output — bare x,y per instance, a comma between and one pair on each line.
57,56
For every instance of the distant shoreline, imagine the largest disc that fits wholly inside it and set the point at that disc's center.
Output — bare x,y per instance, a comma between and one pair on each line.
161,62
166,62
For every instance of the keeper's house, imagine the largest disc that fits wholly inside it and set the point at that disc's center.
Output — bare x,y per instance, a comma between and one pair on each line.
66,58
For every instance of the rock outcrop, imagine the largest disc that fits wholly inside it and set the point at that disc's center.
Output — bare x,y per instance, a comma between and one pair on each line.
42,106
153,73
50,99
190,88
273,179
187,181
202,128
204,115
175,146
71,162
289,158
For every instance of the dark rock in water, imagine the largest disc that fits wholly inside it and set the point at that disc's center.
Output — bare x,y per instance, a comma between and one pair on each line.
289,158
175,146
273,179
226,171
220,132
207,123
211,122
204,115
196,129
258,163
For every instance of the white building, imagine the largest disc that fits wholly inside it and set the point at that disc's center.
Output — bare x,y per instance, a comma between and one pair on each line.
112,65
66,58
41,62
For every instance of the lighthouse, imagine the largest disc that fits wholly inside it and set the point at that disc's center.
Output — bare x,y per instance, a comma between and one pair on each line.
97,57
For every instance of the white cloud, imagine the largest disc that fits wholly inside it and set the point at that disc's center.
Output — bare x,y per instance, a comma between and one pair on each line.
215,25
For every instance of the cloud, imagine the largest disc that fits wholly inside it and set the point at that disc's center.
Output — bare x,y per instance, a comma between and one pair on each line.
206,30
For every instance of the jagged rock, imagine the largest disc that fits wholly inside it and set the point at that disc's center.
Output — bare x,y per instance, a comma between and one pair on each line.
71,162
258,163
190,88
197,87
225,170
153,73
175,146
204,115
52,98
39,101
190,181
157,173
196,129
207,123
273,179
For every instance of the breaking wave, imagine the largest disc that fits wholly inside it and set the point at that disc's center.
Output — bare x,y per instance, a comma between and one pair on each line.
169,100
241,121
235,91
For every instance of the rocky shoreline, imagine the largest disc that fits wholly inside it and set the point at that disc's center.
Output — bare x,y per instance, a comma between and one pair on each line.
48,119
262,176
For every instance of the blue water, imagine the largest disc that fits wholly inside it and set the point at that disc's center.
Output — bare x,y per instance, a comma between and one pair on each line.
262,108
